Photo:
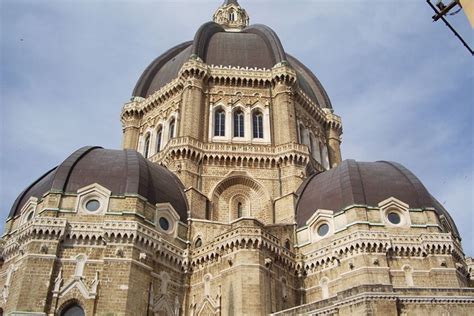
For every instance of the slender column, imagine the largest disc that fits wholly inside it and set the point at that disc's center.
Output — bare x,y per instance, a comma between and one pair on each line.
130,119
131,131
334,147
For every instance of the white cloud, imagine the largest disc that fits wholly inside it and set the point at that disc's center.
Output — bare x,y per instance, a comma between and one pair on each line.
400,82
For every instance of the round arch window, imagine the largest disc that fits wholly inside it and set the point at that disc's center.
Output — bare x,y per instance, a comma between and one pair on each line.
394,218
164,223
92,205
323,230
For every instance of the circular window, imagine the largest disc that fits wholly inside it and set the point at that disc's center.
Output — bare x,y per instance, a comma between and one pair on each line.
323,229
164,223
30,216
394,218
198,243
92,205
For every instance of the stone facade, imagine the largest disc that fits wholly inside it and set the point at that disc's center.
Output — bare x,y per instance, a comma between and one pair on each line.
240,251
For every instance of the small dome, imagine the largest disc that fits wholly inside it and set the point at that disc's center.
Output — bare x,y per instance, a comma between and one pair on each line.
256,46
364,183
124,172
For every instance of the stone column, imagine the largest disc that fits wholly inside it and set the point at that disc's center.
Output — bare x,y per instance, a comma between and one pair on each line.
284,116
334,147
131,132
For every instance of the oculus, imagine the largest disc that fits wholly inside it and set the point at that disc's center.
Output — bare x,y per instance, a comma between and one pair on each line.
323,230
92,205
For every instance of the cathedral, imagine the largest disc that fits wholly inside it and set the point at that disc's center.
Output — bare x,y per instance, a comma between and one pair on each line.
230,197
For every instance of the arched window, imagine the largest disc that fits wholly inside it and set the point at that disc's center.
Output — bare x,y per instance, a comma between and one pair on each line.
73,310
239,210
284,289
171,130
232,16
315,149
302,132
257,119
238,123
159,134
408,275
325,157
146,148
80,264
219,123
324,288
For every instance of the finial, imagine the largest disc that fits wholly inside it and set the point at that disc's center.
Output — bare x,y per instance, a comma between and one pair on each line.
231,16
227,2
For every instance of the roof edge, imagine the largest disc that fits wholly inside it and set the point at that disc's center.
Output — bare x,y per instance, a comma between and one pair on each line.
203,36
143,84
13,209
270,38
318,85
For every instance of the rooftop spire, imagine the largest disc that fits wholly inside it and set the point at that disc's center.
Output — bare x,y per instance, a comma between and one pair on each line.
231,16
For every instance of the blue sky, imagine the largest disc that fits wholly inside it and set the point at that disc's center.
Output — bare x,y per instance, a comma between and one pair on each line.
402,84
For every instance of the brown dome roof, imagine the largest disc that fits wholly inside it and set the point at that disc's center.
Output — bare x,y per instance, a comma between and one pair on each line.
124,172
257,46
363,183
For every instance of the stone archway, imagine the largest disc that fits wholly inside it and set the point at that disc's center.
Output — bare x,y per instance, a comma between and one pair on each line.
239,195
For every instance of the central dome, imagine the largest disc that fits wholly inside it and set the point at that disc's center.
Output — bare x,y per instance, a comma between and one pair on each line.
256,46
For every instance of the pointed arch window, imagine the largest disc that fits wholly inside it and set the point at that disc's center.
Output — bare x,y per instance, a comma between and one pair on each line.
219,123
73,310
146,148
239,123
159,135
257,119
172,128
232,16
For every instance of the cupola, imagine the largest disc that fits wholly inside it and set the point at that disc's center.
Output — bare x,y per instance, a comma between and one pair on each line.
231,16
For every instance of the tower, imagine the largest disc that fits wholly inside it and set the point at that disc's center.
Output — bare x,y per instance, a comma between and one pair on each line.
240,118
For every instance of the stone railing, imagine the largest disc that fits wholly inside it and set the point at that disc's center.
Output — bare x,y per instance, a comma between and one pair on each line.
248,234
38,226
243,72
230,149
379,242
